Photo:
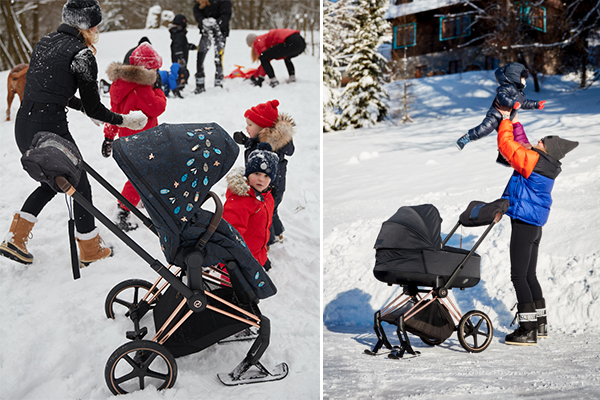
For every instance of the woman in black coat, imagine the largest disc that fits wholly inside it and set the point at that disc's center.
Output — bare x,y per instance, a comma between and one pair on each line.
62,62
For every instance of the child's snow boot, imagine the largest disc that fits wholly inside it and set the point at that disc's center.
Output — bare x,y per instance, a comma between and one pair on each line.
542,323
526,334
462,142
14,245
91,247
219,81
291,79
123,220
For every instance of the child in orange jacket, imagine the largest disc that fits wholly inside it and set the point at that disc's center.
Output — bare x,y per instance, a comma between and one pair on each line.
135,87
249,205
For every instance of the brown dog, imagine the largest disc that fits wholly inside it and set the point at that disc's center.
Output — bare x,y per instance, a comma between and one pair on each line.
15,85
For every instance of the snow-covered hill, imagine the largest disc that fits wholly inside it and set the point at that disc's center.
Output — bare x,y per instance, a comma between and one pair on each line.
54,337
370,173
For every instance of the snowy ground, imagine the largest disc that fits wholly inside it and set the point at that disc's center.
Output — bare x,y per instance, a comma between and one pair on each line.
54,336
370,173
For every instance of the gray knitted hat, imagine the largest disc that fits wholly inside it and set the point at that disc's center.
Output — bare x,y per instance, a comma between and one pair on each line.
82,14
250,39
557,147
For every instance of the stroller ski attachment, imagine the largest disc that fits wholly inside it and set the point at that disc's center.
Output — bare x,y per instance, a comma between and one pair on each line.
211,287
411,253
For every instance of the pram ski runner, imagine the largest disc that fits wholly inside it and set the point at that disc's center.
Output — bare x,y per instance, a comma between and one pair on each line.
211,288
410,253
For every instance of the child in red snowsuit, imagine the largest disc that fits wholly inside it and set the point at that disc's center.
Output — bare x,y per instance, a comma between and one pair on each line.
249,205
135,87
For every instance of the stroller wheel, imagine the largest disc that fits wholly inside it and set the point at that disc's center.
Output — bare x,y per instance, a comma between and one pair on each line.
475,331
138,364
431,342
125,295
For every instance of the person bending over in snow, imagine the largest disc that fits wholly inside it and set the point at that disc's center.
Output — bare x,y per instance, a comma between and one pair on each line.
249,204
276,44
265,124
135,87
43,108
509,93
529,193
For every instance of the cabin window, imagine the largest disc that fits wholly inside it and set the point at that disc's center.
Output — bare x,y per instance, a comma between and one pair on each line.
456,26
535,16
405,35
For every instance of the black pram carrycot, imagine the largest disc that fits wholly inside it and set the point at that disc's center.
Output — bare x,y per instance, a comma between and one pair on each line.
411,253
211,288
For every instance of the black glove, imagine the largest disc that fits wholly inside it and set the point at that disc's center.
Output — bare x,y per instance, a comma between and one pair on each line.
240,138
257,81
107,147
192,46
158,82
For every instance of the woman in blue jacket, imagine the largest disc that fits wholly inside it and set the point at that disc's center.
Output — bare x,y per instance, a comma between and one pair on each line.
529,192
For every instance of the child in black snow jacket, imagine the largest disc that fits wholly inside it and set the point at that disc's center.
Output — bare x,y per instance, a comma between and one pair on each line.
180,48
511,82
265,124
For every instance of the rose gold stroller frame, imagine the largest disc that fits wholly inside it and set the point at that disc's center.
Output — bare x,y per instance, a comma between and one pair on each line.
195,297
469,326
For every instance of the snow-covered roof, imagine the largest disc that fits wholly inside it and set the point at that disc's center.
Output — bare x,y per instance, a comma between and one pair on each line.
417,6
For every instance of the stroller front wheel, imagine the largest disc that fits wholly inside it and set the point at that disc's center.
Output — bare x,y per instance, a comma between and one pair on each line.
125,295
475,331
140,363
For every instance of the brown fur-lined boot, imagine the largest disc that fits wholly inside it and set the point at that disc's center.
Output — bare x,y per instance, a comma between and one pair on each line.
91,247
14,245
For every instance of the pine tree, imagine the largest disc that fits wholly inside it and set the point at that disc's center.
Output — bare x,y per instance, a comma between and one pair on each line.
362,101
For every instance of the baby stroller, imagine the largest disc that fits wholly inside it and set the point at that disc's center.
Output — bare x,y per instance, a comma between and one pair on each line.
212,286
411,253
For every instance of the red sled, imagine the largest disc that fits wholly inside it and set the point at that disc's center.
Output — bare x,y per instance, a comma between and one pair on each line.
241,72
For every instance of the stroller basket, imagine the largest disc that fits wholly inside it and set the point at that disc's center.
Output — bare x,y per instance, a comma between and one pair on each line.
411,253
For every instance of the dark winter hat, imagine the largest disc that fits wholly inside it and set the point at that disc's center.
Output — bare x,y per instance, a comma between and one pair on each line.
557,147
82,14
513,72
262,160
180,20
145,56
250,39
144,39
264,114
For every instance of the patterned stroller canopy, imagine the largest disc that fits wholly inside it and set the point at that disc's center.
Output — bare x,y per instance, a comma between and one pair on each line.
173,167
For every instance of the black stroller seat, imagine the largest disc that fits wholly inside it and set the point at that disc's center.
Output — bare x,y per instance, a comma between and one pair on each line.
411,253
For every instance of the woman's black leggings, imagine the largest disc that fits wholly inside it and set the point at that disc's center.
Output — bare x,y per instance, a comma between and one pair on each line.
524,243
293,46
31,119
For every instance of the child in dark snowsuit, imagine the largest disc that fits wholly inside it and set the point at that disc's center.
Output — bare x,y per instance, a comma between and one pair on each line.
180,48
265,124
249,205
511,82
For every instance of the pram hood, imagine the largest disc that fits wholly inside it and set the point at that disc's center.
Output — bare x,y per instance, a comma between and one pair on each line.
412,228
173,167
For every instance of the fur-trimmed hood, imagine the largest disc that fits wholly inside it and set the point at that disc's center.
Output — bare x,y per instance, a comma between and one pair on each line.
237,183
131,73
279,134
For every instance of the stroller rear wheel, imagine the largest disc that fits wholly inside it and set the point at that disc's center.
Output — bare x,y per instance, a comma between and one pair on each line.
125,295
475,331
138,364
